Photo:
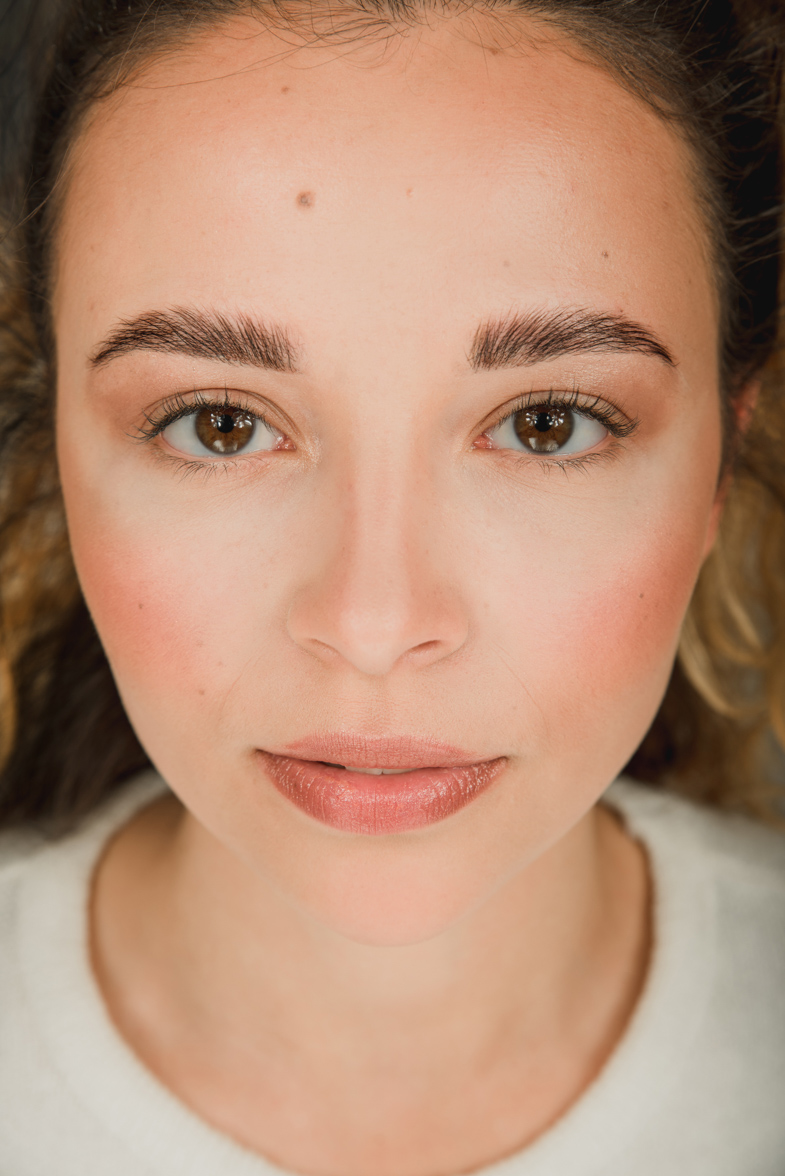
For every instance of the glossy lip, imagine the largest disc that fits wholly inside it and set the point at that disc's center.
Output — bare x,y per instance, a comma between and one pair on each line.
434,780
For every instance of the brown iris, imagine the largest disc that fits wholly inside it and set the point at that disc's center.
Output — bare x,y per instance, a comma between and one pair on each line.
224,430
543,429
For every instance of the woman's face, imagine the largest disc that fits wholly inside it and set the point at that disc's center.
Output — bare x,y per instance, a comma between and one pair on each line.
468,293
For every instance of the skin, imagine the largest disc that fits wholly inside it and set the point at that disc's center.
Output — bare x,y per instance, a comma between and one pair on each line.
430,1001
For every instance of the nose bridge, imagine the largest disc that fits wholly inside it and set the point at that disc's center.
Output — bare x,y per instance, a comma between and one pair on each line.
380,592
383,522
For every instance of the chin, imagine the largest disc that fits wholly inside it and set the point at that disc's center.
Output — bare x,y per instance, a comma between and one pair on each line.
379,912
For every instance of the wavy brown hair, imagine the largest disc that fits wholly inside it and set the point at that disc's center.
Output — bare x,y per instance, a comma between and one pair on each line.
710,67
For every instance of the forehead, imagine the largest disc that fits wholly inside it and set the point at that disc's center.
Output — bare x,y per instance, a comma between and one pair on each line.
440,178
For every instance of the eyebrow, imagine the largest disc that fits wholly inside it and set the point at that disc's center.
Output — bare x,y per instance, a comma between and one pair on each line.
518,340
515,340
236,339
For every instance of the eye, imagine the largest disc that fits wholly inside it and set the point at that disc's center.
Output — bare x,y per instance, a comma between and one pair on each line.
547,429
220,431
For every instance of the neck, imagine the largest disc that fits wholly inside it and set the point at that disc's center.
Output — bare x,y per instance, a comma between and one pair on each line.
192,944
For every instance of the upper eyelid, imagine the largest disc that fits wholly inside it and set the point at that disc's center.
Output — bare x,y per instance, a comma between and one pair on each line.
187,403
575,400
579,401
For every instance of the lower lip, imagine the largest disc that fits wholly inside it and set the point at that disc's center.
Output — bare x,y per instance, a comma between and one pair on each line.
357,802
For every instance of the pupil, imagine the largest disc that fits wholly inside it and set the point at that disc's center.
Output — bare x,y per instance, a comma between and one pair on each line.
543,429
224,432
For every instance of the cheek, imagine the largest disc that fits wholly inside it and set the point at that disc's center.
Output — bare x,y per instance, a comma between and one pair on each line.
587,620
627,645
627,621
182,600
169,624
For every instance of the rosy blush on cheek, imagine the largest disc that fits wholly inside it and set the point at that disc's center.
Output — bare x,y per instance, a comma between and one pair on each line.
592,625
625,655
170,630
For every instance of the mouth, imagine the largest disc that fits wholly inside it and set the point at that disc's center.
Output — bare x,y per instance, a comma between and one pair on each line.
378,786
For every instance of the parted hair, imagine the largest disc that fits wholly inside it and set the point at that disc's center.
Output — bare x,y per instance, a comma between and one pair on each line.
712,68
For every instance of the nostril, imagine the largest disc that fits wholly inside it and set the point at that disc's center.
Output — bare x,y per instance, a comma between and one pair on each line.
427,647
372,622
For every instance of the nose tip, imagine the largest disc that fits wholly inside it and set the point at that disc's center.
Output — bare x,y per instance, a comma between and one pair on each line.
376,635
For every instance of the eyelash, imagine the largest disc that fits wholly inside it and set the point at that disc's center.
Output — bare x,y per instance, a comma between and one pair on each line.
618,425
180,406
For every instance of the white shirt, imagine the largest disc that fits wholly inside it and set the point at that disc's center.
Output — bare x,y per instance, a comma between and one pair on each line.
696,1086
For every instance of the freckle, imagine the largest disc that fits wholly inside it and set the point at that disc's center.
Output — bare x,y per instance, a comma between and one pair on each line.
604,253
506,265
284,89
202,692
640,596
140,604
306,199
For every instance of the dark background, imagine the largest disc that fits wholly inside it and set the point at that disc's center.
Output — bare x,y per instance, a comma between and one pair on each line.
26,30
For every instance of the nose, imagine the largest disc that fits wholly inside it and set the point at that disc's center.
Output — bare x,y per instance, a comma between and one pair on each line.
380,592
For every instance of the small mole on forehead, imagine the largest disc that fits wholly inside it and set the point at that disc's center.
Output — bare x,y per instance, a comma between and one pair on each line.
306,199
605,253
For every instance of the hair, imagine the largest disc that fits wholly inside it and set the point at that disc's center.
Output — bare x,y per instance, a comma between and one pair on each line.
712,68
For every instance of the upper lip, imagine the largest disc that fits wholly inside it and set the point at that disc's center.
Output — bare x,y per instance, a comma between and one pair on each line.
380,751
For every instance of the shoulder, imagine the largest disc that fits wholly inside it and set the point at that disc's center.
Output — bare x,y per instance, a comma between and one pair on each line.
52,1024
735,850
30,859
713,1011
719,893
23,848
17,846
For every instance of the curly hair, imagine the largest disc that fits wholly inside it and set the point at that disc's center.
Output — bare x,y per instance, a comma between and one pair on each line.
713,69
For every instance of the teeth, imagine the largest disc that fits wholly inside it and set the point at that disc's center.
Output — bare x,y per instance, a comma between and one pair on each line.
377,771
